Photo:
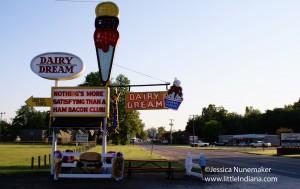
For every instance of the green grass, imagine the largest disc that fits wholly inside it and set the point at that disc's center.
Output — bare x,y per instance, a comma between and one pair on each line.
20,155
248,150
292,156
131,152
268,152
135,152
16,158
228,148
202,148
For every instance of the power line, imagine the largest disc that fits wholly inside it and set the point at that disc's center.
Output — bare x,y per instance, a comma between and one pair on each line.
78,1
137,72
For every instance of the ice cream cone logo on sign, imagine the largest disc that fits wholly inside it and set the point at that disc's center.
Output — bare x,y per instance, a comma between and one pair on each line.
106,36
174,96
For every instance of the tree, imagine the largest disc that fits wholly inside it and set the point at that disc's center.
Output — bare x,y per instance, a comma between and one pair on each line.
211,130
194,126
180,137
233,124
250,111
92,79
28,118
4,130
152,132
160,131
296,105
142,135
213,112
130,124
283,130
253,121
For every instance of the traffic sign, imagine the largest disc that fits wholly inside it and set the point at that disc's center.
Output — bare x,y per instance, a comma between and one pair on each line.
42,102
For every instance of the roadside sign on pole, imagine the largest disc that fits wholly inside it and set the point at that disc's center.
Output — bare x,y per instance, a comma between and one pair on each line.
42,102
82,138
145,100
80,102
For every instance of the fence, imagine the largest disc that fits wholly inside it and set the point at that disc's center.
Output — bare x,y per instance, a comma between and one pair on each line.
41,161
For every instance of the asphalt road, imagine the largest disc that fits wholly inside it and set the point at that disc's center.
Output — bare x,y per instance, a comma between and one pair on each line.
286,169
283,168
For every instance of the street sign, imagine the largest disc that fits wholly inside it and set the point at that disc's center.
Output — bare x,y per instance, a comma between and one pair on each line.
82,138
42,102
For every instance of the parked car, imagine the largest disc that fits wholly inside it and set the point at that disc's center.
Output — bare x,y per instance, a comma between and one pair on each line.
199,143
219,143
260,144
242,144
165,142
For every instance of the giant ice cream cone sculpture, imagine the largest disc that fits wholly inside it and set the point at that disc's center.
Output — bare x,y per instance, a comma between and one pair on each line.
106,36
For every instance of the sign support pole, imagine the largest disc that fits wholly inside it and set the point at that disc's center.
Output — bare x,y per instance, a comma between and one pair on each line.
171,125
54,148
104,136
54,143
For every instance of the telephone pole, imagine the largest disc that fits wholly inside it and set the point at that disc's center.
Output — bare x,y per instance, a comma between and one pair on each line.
1,114
171,125
193,127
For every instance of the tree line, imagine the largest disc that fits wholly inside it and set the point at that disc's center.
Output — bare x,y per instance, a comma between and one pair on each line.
208,125
216,120
130,124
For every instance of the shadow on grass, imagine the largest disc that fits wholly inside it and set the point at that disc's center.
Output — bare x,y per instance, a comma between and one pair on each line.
8,170
4,170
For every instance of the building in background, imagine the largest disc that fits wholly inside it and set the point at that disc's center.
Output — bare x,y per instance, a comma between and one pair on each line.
246,139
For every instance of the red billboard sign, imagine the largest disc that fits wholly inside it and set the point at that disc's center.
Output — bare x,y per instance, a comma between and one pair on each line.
145,100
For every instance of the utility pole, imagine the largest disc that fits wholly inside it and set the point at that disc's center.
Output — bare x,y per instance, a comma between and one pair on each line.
193,127
171,125
1,114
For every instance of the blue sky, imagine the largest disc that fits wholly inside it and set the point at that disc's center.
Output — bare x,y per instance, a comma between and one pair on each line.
233,53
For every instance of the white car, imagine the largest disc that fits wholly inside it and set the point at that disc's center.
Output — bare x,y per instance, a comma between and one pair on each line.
260,144
199,143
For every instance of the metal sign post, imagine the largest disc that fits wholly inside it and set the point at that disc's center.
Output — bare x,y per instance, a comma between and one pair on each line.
54,148
54,142
104,136
171,125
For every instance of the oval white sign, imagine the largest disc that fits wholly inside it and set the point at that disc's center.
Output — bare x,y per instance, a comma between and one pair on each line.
57,65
